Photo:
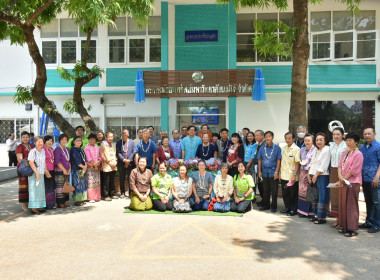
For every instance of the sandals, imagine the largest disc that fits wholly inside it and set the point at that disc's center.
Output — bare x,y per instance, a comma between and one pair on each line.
351,234
334,224
313,219
319,222
342,231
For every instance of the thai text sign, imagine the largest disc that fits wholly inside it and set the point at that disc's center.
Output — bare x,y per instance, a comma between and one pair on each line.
201,36
180,83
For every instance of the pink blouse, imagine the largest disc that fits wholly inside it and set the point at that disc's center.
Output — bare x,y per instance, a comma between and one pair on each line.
92,153
49,158
352,164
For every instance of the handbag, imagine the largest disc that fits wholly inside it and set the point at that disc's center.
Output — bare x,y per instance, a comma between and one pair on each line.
67,187
24,168
312,193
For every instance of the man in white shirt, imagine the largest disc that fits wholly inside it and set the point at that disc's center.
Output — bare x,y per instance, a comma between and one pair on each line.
11,147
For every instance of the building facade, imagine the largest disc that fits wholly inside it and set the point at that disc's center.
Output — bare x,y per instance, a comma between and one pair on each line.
343,75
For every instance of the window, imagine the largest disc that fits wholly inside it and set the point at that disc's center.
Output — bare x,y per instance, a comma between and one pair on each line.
354,115
14,126
117,124
63,42
143,43
246,32
210,112
341,35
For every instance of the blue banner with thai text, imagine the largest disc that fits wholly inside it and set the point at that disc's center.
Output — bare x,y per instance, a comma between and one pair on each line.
201,36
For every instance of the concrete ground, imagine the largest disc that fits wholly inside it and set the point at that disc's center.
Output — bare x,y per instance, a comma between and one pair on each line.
99,241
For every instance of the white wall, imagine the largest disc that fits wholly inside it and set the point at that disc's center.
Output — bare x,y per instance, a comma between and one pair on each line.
272,114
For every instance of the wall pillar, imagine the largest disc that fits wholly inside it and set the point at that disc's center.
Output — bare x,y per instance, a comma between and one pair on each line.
232,114
165,114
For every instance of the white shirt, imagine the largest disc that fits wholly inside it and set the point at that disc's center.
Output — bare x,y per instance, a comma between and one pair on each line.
9,147
336,152
320,161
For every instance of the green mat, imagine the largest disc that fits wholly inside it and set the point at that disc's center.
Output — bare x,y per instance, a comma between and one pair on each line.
197,213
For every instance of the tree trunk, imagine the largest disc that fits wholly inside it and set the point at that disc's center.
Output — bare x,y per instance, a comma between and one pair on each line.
38,92
79,83
298,106
82,111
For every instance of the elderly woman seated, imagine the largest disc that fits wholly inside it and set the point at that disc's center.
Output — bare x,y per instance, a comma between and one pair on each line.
223,189
139,181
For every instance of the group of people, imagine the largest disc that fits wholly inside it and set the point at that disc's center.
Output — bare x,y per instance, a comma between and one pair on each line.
251,164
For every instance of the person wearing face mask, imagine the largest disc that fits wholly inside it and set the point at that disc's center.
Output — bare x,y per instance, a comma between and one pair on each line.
301,132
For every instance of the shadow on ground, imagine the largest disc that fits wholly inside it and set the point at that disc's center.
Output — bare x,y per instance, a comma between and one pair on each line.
320,246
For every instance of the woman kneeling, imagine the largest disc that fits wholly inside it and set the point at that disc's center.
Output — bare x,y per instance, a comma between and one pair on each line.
223,189
243,191
139,181
182,190
161,186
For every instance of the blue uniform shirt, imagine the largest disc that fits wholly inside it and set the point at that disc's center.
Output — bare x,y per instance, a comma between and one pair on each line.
190,145
371,155
146,150
269,156
249,151
176,146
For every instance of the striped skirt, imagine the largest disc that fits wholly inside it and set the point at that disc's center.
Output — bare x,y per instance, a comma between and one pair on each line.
23,193
50,190
334,192
36,192
59,179
304,206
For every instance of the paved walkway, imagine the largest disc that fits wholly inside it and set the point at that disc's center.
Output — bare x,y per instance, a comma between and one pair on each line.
99,241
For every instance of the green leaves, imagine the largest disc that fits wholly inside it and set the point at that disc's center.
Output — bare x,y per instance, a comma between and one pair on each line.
267,41
71,106
23,95
80,71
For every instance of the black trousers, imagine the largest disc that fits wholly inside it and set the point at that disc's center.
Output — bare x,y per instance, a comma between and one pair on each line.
270,186
241,207
108,184
12,158
124,173
290,195
158,205
260,186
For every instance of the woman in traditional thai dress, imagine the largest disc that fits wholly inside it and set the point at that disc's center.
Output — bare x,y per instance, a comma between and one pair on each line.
62,170
49,176
78,171
93,172
307,152
22,152
337,148
182,190
36,157
350,169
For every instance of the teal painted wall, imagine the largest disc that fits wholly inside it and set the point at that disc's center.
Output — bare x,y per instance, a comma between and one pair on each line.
232,35
232,114
124,77
274,75
165,114
201,55
55,80
164,36
342,74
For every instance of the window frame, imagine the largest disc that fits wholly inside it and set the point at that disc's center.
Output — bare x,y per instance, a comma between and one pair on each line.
355,32
57,52
255,33
127,39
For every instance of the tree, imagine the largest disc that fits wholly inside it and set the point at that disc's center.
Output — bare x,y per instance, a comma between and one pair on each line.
18,20
295,41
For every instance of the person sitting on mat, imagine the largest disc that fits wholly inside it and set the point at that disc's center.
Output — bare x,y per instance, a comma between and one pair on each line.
223,189
161,187
139,181
243,190
202,188
182,189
